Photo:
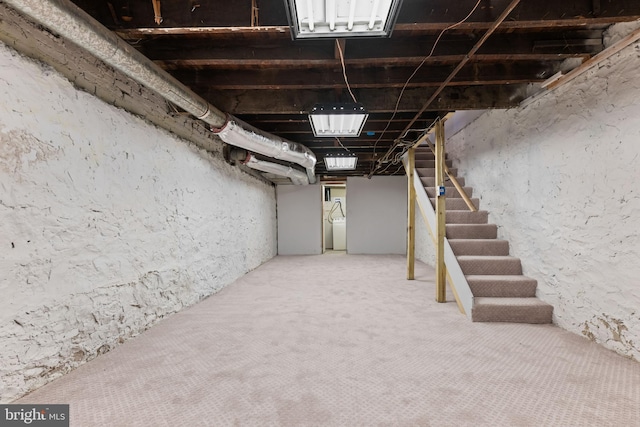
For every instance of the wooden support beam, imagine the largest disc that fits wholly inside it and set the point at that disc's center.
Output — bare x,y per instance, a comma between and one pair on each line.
587,65
212,63
257,78
472,52
441,269
254,13
157,14
411,211
376,100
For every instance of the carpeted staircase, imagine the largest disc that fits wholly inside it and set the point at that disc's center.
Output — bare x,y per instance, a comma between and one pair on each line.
501,293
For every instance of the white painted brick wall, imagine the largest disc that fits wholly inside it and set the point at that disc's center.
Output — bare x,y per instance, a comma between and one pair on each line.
107,224
561,179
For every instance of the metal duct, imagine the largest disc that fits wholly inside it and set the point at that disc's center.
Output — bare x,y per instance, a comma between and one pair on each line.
71,22
297,177
241,134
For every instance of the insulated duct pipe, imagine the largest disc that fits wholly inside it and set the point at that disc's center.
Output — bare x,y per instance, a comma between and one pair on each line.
241,134
71,22
297,177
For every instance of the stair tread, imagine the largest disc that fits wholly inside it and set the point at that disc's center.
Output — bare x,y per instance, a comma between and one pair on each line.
486,257
472,225
511,309
471,231
458,202
499,278
475,240
511,301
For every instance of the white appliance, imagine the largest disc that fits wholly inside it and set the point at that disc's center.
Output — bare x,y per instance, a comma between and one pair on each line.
340,234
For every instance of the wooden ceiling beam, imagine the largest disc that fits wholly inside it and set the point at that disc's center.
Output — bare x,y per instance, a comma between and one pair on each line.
270,118
282,32
263,53
374,77
375,100
286,127
233,64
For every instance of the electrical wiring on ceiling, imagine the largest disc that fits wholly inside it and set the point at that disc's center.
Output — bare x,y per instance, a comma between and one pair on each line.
344,71
404,87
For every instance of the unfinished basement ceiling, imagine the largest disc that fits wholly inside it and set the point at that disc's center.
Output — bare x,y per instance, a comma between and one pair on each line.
240,56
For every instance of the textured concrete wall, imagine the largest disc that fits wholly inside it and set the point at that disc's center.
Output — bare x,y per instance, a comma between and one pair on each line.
107,224
560,178
377,215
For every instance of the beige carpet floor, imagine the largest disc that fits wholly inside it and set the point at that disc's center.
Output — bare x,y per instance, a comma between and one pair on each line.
345,340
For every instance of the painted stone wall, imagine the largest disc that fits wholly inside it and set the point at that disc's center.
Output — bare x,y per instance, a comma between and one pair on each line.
560,178
107,224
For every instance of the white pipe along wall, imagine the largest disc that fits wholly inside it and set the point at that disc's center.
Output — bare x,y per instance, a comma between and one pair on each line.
71,22
107,224
560,178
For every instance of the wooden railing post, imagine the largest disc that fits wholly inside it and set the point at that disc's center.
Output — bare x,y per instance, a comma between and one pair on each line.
441,270
411,211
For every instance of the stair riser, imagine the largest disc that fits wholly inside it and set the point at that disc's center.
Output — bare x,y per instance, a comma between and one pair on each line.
450,192
431,172
457,204
466,217
431,163
490,266
475,231
431,181
482,247
506,289
518,314
426,156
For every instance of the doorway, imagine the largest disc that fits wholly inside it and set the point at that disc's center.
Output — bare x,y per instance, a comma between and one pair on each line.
334,217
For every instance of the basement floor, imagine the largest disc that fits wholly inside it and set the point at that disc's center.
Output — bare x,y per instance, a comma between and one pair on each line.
345,340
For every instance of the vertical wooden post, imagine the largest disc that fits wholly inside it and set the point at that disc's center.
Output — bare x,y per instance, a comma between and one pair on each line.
411,211
441,270
157,15
254,13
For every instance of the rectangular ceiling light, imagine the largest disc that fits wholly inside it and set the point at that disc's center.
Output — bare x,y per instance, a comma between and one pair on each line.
341,18
337,120
340,162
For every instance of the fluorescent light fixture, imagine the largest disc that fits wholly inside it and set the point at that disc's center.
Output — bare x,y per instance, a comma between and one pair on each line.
341,18
337,120
340,162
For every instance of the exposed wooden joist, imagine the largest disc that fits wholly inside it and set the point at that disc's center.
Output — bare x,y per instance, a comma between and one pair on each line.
507,11
580,42
401,29
406,29
269,118
305,127
473,74
232,64
377,100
